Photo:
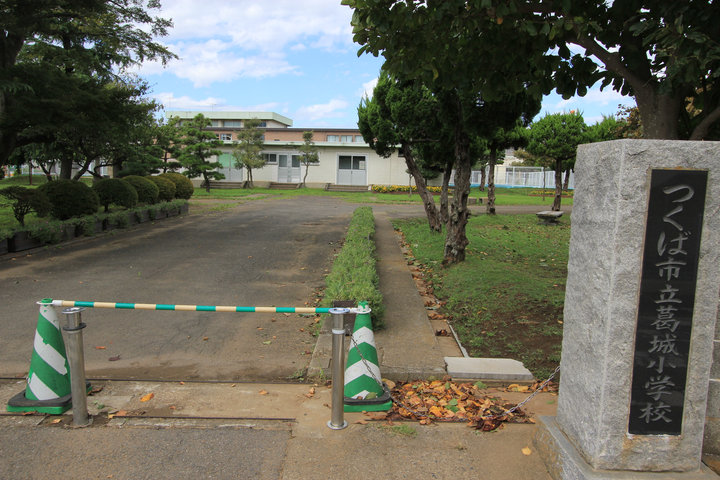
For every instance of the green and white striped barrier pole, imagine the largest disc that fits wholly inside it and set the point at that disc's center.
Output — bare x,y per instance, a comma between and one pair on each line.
364,390
187,308
48,383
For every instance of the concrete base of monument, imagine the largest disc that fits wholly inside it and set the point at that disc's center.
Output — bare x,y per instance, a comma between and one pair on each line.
564,462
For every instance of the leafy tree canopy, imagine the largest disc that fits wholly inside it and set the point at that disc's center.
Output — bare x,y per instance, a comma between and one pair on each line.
662,53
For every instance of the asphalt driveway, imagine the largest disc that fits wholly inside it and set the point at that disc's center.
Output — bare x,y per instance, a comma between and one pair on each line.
262,253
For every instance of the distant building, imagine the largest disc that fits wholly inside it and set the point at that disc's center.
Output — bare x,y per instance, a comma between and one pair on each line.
344,157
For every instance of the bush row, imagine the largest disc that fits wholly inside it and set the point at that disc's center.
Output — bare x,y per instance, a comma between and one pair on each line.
354,273
401,188
55,231
72,199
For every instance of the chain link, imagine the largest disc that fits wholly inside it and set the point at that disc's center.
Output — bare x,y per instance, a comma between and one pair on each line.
424,415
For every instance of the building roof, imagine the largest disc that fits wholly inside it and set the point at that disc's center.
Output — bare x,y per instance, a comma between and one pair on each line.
222,115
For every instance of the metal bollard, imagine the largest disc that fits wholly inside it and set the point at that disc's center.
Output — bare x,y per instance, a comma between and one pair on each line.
76,359
337,422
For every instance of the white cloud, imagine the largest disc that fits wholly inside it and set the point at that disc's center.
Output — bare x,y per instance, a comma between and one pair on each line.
312,113
171,102
219,41
367,88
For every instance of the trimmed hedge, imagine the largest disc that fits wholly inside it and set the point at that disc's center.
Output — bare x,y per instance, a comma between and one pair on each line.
165,186
147,191
117,191
354,274
183,186
70,198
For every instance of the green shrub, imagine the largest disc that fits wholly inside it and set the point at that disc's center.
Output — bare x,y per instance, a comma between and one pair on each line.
183,186
147,191
354,274
119,219
25,200
70,199
166,186
117,191
47,232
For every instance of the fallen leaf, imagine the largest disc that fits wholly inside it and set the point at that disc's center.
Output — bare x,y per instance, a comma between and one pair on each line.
114,359
263,392
206,338
260,328
172,407
302,329
147,397
57,420
268,342
361,422
526,451
182,383
100,348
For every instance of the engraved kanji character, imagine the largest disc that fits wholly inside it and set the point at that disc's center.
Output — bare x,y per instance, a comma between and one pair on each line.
664,345
667,295
655,412
670,268
658,386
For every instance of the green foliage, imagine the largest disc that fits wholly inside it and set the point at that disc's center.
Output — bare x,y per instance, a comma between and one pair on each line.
354,274
603,131
556,136
115,191
183,186
25,200
165,186
70,198
309,153
119,219
196,146
47,232
248,150
147,191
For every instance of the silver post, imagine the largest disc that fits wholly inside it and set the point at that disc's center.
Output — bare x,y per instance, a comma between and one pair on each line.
337,422
76,359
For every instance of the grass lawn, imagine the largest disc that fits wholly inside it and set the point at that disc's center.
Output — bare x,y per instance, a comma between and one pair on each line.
506,299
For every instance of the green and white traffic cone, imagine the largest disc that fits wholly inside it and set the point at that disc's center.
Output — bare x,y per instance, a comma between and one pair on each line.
364,390
48,383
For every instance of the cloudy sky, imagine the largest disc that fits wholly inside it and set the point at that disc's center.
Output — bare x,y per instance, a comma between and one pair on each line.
296,58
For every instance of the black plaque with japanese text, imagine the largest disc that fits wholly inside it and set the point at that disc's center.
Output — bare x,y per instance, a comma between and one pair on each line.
667,296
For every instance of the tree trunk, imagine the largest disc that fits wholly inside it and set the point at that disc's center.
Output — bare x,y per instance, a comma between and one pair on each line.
483,178
558,186
566,182
456,240
492,161
659,113
207,182
431,210
428,201
444,193
307,167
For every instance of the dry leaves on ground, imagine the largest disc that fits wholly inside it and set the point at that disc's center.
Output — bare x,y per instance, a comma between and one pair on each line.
433,401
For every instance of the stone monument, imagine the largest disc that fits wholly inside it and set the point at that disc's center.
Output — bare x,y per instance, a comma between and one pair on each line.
640,311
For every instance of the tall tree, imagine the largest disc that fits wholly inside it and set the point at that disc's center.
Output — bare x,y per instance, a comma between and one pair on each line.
501,140
662,53
556,137
98,38
431,43
197,147
404,117
308,154
248,149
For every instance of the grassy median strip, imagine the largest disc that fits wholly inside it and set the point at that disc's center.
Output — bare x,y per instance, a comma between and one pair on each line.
354,273
506,299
